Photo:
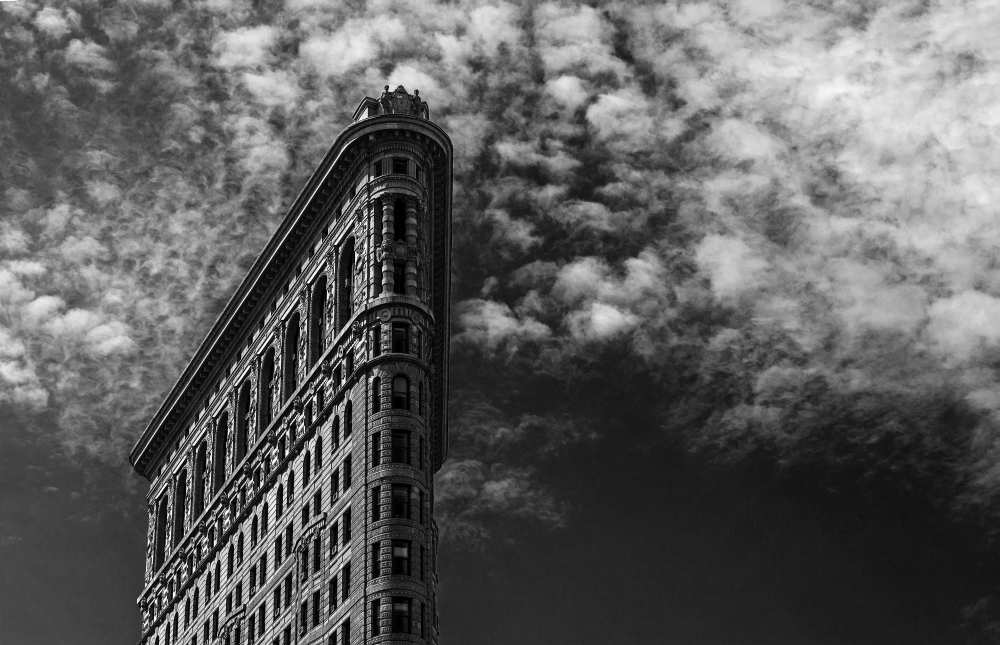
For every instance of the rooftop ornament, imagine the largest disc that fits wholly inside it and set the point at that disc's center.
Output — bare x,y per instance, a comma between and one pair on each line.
397,101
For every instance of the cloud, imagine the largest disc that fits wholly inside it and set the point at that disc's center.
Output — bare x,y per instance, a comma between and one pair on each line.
493,325
88,56
244,47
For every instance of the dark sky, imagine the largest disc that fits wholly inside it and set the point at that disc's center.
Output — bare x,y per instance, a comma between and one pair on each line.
725,291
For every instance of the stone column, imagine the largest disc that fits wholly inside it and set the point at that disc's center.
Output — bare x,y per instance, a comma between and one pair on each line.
412,249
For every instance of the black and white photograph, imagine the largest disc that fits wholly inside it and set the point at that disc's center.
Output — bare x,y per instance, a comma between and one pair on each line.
496,322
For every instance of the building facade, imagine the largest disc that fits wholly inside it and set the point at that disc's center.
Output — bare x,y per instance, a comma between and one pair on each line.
291,466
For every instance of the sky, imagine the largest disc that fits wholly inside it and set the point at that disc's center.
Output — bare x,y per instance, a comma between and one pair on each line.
725,280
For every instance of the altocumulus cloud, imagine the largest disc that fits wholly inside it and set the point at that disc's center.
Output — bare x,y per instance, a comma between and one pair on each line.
782,213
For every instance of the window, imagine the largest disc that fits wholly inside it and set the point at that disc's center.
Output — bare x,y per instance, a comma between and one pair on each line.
400,338
265,392
377,170
348,418
290,489
345,632
347,471
243,421
346,521
376,333
377,273
345,578
229,603
305,513
377,223
401,615
262,568
335,485
288,540
319,453
420,505
375,610
420,457
303,616
251,629
376,448
276,601
399,220
239,549
253,579
277,552
376,394
399,277
317,553
263,518
160,542
400,392
260,618
401,501
279,501
400,557
423,556
376,556
288,590
306,468
400,446
200,465
317,498
254,525
219,450
315,609
317,320
420,398
376,503
334,537
332,593
345,278
399,165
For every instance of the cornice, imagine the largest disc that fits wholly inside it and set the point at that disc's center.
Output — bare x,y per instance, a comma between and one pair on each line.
277,259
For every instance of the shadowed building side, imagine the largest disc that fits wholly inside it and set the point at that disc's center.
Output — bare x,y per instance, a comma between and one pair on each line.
291,466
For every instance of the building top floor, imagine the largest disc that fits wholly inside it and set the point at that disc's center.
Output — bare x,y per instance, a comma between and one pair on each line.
391,148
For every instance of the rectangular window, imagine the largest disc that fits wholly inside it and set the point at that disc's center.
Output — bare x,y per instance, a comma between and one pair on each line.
346,521
399,166
420,505
401,615
377,503
335,485
375,610
253,579
347,472
251,629
401,501
303,617
400,557
332,591
305,514
263,519
400,446
377,169
317,498
376,339
376,569
288,540
399,278
262,568
260,618
400,338
317,552
345,632
345,578
276,601
315,609
288,590
423,556
277,552
376,448
420,463
334,537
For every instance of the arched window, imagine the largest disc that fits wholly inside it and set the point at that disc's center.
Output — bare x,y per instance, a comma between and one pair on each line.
230,561
400,392
345,278
317,320
399,220
306,468
180,506
335,435
265,390
376,333
290,364
239,549
221,439
200,465
243,421
376,394
319,452
348,419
